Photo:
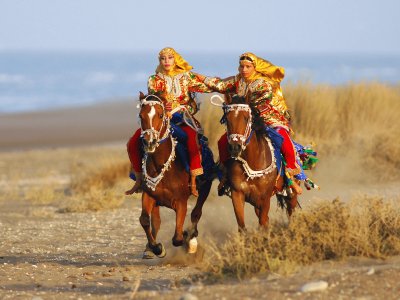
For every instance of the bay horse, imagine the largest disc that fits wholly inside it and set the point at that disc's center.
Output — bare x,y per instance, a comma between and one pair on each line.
166,181
252,173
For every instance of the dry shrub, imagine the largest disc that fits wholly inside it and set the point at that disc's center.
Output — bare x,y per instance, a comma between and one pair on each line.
354,120
94,186
366,226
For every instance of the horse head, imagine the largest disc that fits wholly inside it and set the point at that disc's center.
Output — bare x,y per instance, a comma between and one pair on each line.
153,121
238,116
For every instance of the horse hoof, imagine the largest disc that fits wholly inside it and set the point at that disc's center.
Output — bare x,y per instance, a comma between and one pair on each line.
189,234
148,253
177,243
153,251
163,251
192,246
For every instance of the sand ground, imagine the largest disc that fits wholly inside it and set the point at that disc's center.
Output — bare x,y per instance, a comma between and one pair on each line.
46,253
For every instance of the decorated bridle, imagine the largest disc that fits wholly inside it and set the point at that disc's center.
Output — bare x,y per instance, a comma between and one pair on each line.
153,133
243,139
152,182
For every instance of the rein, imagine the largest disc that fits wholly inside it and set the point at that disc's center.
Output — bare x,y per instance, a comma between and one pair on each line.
152,182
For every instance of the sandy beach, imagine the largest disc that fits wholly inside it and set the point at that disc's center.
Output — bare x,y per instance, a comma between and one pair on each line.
109,122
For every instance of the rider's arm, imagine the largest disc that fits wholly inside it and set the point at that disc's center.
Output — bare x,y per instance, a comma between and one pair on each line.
222,86
196,83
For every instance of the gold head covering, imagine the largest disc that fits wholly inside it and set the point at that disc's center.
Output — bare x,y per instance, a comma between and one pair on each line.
263,68
181,65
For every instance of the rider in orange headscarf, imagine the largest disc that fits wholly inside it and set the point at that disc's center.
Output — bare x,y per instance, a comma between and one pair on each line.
174,81
260,80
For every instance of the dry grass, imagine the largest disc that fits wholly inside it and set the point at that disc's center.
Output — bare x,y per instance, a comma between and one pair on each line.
77,179
358,121
97,186
365,226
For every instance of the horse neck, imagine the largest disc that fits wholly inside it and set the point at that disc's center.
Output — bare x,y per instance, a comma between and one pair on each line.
257,152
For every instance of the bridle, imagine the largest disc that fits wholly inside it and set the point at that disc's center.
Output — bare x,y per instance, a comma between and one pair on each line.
153,133
152,182
243,139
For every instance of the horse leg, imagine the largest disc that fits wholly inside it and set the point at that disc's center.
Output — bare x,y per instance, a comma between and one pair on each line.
263,217
155,221
238,206
257,211
180,211
198,209
291,204
148,204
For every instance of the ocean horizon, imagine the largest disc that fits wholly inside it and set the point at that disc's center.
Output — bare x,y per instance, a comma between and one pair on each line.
34,81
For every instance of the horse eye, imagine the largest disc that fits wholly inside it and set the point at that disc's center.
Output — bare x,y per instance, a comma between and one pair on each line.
161,116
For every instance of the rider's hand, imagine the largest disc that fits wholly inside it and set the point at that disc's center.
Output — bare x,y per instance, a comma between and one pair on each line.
169,115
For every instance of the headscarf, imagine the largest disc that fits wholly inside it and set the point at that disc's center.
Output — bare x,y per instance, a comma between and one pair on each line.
263,68
181,65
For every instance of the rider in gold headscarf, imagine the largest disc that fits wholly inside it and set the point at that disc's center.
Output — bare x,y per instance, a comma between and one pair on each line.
260,80
175,82
181,65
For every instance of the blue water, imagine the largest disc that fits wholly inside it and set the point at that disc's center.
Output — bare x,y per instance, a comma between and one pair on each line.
31,81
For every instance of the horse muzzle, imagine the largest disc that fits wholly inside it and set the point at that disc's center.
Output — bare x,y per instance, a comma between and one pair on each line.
235,150
149,146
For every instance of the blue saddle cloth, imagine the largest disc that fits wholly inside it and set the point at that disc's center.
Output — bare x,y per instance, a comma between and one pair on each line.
208,163
277,141
207,156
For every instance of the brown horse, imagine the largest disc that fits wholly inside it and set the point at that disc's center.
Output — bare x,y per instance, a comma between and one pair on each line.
252,173
166,182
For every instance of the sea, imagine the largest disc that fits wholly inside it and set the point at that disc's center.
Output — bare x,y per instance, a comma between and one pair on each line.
34,81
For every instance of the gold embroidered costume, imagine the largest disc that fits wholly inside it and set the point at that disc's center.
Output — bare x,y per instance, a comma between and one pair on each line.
177,84
263,88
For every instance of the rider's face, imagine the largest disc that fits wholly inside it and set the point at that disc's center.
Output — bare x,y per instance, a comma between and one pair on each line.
167,61
246,69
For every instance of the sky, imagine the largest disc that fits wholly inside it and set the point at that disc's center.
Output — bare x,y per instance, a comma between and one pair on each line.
303,26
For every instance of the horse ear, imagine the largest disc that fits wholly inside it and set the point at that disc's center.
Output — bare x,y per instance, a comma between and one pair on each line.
141,96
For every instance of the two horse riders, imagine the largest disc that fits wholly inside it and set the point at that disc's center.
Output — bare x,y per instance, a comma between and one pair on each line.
257,79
